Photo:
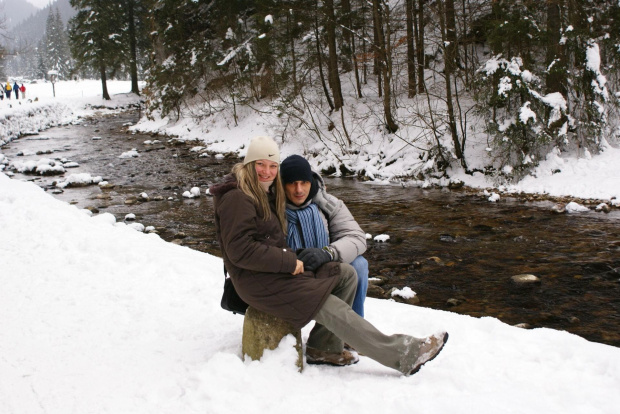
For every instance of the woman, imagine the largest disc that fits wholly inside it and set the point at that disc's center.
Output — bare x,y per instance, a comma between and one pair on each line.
250,222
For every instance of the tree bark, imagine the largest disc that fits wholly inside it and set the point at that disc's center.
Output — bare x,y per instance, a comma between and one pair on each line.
556,77
133,55
319,55
384,66
411,67
449,23
332,61
104,83
420,58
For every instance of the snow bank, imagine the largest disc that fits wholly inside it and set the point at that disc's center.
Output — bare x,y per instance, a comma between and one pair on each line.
99,318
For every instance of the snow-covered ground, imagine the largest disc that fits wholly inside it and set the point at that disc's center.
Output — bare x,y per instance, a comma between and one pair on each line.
96,317
41,109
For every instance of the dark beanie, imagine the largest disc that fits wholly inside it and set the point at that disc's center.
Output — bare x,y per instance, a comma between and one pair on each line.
295,168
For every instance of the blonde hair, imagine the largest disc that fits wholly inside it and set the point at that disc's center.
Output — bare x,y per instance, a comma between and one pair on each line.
247,179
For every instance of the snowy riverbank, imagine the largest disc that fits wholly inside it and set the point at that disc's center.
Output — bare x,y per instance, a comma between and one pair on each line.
560,175
96,317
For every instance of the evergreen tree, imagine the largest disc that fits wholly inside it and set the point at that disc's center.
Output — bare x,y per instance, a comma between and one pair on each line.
96,37
55,46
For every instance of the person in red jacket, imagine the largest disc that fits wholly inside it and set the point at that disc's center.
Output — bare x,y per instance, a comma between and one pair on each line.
22,89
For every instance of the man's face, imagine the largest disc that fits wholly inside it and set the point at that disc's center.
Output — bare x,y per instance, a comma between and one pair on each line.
297,191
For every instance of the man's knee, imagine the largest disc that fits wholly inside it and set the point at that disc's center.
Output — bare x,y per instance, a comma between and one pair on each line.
348,276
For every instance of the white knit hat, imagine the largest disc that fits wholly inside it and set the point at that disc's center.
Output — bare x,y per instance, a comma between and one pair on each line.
262,148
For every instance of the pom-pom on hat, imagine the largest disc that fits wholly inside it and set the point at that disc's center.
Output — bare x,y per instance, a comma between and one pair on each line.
295,168
262,148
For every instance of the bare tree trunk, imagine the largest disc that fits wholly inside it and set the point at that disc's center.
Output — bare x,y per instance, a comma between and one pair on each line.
418,23
332,62
556,77
350,39
319,54
133,54
293,56
104,83
411,68
448,19
364,9
384,62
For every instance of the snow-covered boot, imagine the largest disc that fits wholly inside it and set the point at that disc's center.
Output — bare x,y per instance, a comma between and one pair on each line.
428,350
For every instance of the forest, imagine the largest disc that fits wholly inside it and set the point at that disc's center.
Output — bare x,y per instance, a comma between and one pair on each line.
531,76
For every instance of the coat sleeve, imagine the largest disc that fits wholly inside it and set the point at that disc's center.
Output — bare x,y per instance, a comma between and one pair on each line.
347,238
245,247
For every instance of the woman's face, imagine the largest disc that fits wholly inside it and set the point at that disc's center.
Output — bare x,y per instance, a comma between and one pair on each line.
266,170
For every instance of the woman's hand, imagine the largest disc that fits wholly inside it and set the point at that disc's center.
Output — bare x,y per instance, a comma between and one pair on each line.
299,268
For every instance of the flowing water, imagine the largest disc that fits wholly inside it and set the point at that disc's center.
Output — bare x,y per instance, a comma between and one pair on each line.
456,250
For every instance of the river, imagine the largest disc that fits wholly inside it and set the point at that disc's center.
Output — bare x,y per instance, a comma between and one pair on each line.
455,249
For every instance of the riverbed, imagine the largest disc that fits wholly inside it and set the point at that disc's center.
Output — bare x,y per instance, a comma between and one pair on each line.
454,248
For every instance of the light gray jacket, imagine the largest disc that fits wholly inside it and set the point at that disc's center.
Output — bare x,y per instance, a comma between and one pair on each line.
346,237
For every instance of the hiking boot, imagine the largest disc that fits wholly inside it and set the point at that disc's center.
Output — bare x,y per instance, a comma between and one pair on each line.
339,359
429,349
349,348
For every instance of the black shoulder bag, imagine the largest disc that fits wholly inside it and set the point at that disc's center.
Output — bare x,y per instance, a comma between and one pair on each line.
230,298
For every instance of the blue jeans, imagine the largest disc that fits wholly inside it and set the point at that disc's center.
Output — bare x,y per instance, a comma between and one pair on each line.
361,268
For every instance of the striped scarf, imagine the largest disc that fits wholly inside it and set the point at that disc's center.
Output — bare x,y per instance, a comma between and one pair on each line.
306,228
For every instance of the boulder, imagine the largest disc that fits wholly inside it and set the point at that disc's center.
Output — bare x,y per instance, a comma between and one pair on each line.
264,331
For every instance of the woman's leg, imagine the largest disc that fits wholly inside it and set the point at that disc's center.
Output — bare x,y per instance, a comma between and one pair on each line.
401,352
360,264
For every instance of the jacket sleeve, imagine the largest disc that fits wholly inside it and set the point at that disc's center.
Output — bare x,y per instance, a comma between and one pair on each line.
347,238
245,247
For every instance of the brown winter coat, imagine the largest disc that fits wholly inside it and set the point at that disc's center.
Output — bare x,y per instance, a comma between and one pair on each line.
260,263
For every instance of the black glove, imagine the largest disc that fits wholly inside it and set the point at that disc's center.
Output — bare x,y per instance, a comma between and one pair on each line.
313,258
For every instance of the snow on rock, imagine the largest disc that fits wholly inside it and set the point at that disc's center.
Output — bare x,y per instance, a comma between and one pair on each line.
136,226
381,238
406,292
574,207
79,180
130,216
44,166
133,153
494,197
194,192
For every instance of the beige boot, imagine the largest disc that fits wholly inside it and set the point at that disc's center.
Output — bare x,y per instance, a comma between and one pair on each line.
428,350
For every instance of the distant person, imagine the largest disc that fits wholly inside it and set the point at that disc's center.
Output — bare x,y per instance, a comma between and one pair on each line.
16,89
22,89
7,90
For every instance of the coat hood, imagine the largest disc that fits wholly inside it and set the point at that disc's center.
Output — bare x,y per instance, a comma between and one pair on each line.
229,182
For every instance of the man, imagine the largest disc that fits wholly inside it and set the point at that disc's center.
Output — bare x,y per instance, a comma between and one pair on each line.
322,225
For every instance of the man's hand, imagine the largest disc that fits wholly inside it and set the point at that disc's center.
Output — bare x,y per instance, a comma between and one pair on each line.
313,258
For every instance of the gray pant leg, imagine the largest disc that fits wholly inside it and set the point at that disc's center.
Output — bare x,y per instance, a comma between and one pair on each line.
394,351
320,336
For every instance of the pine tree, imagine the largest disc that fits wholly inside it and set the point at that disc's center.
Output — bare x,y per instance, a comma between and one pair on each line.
55,46
96,37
